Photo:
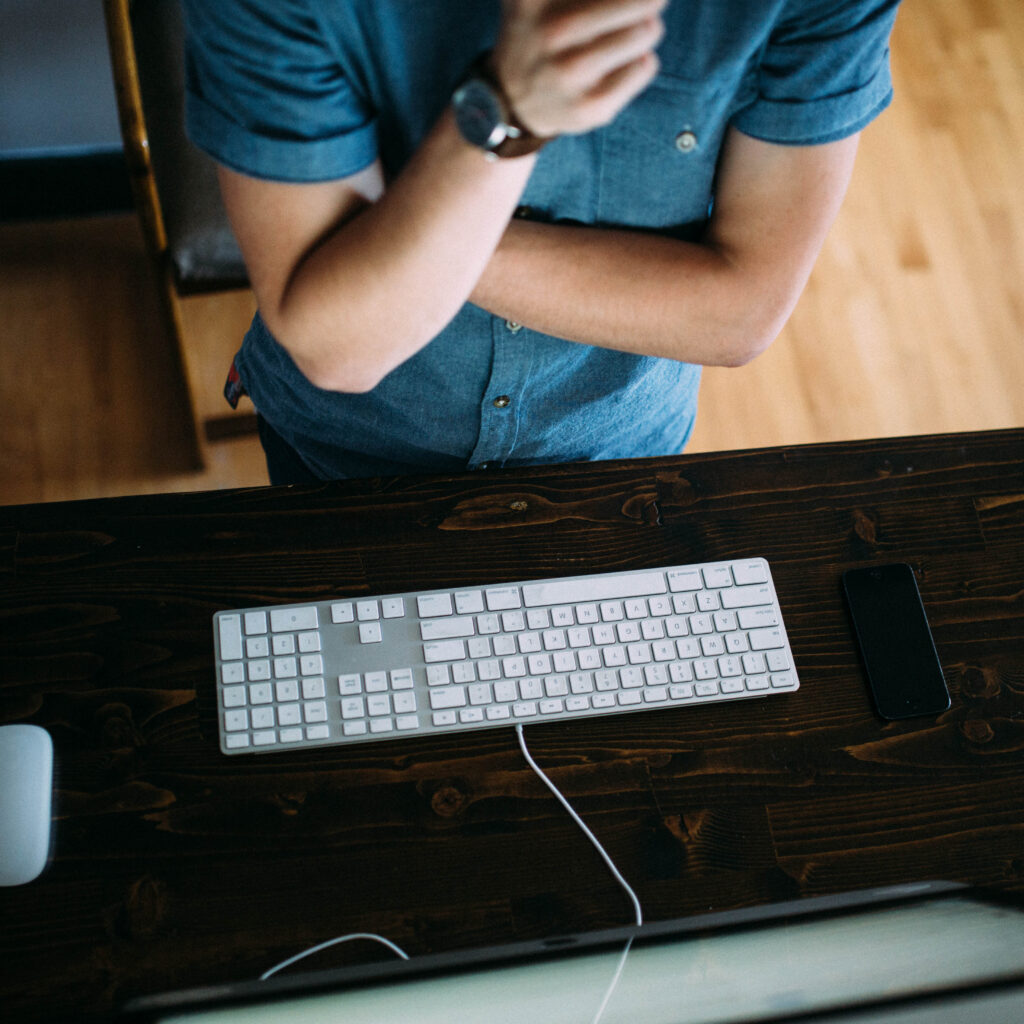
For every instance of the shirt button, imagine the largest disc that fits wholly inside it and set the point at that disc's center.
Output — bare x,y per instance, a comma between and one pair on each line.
501,401
513,326
524,212
686,142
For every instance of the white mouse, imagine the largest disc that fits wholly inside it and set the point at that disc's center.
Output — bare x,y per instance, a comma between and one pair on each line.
26,788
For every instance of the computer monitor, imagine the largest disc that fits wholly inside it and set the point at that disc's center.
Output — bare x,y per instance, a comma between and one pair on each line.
934,952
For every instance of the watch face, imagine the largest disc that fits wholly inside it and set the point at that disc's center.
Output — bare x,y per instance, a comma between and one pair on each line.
478,114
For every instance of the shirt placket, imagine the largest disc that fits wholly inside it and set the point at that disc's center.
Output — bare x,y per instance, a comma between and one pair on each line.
502,402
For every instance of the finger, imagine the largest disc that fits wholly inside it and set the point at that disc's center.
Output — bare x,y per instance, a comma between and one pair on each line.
568,25
618,89
584,69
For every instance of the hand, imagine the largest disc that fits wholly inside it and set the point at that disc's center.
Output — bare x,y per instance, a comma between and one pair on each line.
569,66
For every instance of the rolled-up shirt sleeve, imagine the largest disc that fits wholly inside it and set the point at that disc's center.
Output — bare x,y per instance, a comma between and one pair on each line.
266,96
824,73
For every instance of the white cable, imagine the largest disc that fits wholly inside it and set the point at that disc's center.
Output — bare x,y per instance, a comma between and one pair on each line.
333,942
604,854
579,821
615,981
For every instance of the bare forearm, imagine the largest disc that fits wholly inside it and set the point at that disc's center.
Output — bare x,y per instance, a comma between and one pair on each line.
374,277
632,291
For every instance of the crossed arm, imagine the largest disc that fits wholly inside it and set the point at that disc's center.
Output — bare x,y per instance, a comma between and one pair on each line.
354,279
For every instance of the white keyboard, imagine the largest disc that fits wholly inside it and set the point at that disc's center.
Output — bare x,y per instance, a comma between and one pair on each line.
374,668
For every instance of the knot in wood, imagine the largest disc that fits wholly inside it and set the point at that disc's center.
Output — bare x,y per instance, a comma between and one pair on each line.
978,731
448,801
143,908
519,506
979,682
117,726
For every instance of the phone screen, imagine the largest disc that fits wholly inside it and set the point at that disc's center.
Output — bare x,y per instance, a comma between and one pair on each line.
895,641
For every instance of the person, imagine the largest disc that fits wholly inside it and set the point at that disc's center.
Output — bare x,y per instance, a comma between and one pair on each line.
487,233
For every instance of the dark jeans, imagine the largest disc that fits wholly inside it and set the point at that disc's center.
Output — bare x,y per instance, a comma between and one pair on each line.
284,464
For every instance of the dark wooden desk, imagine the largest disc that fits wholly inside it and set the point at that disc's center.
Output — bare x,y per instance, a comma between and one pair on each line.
176,866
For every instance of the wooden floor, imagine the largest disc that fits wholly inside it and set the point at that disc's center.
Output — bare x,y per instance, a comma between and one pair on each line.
913,321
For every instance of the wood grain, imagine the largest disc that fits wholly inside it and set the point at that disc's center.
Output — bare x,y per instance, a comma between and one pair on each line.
176,866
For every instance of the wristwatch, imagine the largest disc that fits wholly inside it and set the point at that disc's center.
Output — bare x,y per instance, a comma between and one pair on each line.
485,119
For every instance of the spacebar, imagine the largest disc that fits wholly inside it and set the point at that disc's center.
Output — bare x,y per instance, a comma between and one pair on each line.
594,588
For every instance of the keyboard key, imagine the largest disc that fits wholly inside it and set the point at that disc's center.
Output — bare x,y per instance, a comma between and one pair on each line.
716,576
286,690
469,602
343,612
350,685
352,707
599,588
401,679
233,672
289,714
283,644
762,615
236,720
463,672
285,667
315,711
746,597
447,697
233,697
262,718
311,665
370,633
750,572
309,643
257,647
313,688
765,639
377,705
404,703
367,611
503,598
685,579
230,629
447,628
431,605
291,620
255,622
444,650
393,608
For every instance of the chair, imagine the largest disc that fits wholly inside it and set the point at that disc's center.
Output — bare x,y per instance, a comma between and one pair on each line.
177,198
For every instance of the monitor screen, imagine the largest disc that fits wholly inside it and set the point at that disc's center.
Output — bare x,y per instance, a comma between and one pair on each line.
760,971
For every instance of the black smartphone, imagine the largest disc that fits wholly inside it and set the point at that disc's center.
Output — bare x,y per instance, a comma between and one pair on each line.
895,641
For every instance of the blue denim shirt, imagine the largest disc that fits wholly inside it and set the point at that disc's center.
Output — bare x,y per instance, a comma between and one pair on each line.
305,90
